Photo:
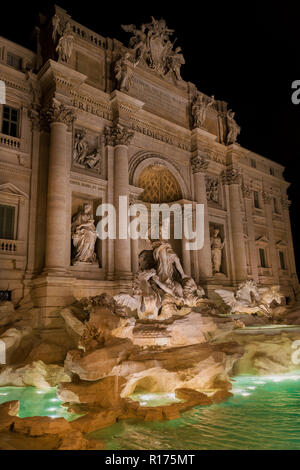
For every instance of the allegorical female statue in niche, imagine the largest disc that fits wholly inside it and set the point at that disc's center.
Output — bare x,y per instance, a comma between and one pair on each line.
84,235
217,246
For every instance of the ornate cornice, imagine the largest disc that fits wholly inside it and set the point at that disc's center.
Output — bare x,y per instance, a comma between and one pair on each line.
58,112
231,175
118,135
199,163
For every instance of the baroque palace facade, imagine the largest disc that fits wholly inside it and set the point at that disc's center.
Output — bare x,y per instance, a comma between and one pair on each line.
87,120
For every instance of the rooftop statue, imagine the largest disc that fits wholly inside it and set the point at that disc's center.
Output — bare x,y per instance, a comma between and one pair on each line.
151,43
233,128
199,109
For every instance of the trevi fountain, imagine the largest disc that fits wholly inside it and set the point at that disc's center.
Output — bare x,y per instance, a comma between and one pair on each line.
119,343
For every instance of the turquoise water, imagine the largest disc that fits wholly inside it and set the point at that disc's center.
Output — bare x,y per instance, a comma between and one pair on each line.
155,399
263,414
34,402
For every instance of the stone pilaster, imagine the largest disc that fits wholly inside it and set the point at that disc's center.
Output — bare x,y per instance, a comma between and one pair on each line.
247,194
60,118
285,203
231,177
199,164
119,137
272,248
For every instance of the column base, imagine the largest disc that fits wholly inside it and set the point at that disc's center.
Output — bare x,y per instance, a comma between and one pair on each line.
50,293
123,275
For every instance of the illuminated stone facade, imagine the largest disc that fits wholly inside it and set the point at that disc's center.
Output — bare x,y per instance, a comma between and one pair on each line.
96,120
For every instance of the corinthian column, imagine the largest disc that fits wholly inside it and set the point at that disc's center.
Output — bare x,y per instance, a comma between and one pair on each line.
120,137
199,165
231,177
60,118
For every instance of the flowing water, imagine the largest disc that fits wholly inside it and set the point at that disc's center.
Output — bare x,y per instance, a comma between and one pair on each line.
264,413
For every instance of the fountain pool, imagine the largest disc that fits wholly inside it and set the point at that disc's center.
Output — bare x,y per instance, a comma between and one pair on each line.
264,413
35,402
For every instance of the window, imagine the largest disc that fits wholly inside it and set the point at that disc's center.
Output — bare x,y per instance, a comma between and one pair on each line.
282,260
262,257
275,205
7,222
253,163
256,199
272,171
14,61
10,121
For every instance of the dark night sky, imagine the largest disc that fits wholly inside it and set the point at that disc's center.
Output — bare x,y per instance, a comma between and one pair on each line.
246,54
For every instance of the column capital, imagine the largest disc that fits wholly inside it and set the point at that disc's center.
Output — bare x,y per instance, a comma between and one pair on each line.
199,163
285,202
231,175
58,112
118,135
247,192
267,197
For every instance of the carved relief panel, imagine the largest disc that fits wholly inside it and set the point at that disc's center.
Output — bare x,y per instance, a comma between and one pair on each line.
87,151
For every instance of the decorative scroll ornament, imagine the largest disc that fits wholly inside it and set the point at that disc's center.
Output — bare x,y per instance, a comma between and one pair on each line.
231,176
58,112
285,202
233,130
199,109
118,135
199,163
267,197
35,118
247,193
152,44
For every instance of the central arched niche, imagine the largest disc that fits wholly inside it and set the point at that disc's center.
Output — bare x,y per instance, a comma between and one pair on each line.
159,185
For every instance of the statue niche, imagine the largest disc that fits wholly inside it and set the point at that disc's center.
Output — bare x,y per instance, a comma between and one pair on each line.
217,246
84,236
